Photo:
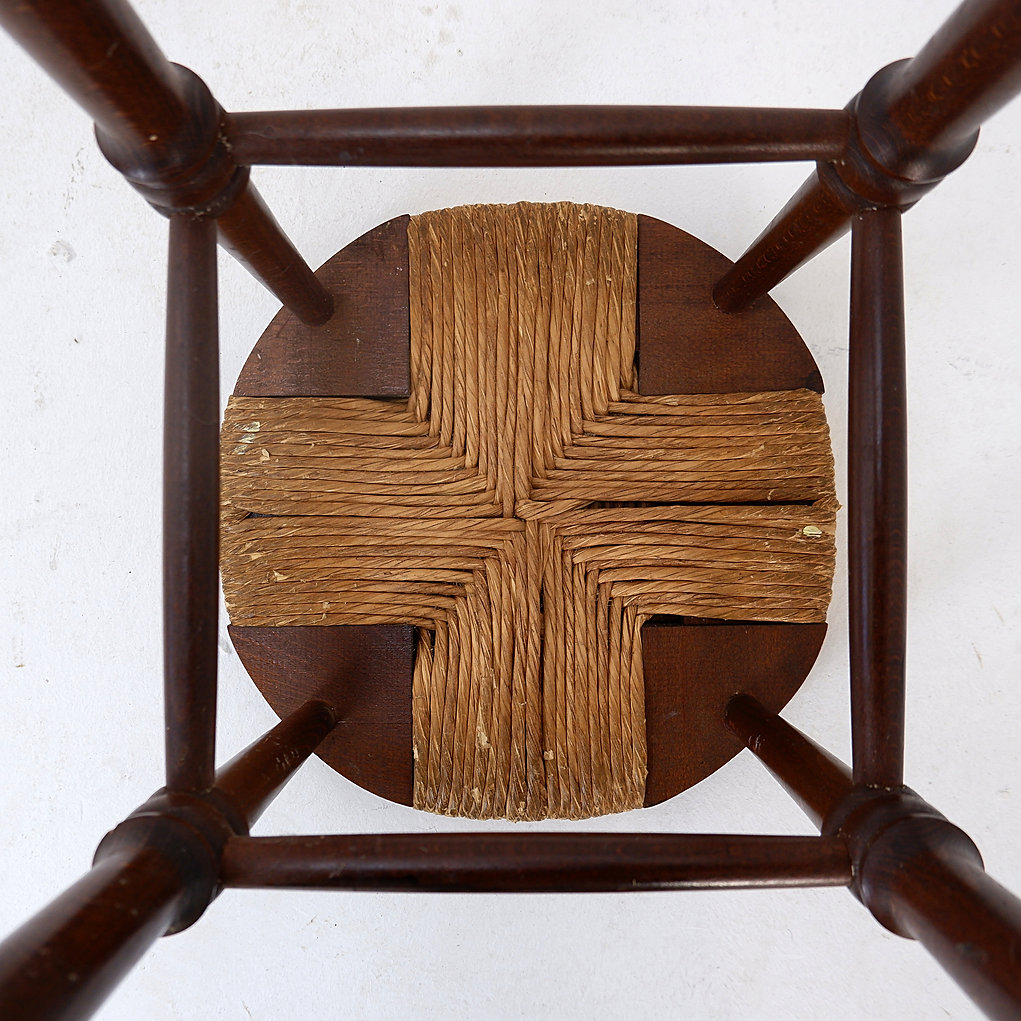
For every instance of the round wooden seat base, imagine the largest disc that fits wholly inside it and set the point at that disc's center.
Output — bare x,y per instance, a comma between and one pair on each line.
692,665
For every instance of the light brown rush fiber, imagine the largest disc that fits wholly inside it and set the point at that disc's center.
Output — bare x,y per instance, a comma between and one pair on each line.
527,510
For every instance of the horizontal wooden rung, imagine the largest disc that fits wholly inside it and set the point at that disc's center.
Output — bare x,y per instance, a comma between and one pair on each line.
535,862
536,136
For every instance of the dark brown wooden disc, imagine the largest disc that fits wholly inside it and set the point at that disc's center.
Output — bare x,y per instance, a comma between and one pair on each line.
692,666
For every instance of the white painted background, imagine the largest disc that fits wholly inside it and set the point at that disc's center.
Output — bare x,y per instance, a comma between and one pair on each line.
82,299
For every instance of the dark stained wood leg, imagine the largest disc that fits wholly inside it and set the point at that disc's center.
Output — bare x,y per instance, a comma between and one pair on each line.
968,70
67,959
159,125
251,234
254,777
535,862
154,874
966,920
814,779
877,499
138,95
914,122
814,217
191,490
920,875
923,878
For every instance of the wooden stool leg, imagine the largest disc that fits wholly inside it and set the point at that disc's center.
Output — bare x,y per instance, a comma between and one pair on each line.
253,778
154,874
813,219
249,231
811,776
914,122
917,873
964,918
67,959
158,124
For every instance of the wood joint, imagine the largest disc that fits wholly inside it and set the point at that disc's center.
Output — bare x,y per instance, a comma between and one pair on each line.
190,831
189,170
879,165
892,833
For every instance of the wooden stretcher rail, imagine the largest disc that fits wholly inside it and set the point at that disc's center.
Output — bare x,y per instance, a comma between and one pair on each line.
877,498
536,136
535,862
191,488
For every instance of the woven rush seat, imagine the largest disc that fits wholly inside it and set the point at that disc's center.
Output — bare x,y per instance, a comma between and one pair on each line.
527,510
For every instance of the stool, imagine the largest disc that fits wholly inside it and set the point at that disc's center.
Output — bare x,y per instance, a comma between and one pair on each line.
191,838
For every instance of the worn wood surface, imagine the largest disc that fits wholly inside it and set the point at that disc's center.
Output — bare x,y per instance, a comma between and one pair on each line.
693,669
256,775
364,672
363,350
64,961
687,345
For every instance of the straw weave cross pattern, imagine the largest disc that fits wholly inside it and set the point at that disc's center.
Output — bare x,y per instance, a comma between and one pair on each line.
527,510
